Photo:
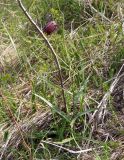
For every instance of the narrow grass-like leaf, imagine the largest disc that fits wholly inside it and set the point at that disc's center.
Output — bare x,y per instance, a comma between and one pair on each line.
54,108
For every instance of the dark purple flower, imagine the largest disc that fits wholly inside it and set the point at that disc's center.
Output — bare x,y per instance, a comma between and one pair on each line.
50,27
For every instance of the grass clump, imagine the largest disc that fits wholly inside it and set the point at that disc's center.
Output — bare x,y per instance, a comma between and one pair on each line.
89,47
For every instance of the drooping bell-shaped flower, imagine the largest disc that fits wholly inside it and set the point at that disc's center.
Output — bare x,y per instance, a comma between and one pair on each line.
50,27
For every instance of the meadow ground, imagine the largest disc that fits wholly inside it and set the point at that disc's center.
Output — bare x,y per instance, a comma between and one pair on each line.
35,122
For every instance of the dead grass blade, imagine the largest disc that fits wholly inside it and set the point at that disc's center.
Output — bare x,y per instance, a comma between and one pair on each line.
38,121
100,113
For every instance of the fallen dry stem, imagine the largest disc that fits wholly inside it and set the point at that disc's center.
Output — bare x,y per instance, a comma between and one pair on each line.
99,114
69,150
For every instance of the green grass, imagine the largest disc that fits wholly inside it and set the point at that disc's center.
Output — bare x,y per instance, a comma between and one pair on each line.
89,59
